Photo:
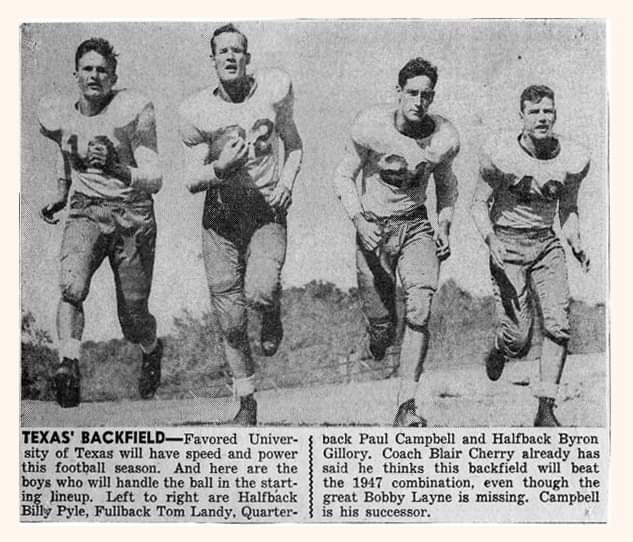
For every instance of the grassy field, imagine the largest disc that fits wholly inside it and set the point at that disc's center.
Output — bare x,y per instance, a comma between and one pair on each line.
324,343
457,396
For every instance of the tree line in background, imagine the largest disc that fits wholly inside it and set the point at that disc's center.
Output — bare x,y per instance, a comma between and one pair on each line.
323,327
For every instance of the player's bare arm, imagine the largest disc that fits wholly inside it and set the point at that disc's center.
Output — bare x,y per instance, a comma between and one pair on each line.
281,197
569,220
147,175
49,211
200,175
446,189
369,233
482,197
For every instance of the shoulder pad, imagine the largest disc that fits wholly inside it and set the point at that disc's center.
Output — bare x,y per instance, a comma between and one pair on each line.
276,83
446,137
52,112
127,104
191,107
575,156
369,123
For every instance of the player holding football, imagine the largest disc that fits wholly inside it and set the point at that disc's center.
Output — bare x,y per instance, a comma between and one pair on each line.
524,180
233,136
396,149
108,152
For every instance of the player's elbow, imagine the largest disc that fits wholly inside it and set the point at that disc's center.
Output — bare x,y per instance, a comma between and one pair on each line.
154,180
148,179
193,183
294,144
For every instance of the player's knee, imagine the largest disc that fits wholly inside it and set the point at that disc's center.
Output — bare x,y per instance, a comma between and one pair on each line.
381,329
557,331
516,341
236,337
224,286
74,293
418,307
259,298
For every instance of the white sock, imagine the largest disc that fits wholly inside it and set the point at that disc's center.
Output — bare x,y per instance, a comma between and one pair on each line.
149,349
407,390
244,386
70,349
545,389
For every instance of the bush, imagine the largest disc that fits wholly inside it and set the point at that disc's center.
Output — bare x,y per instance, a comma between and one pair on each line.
323,327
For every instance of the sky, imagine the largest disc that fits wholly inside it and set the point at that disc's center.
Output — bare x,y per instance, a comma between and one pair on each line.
338,68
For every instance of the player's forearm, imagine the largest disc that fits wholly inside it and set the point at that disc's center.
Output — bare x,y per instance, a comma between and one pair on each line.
571,228
480,208
63,188
148,180
446,193
481,217
445,218
291,168
199,178
148,175
345,189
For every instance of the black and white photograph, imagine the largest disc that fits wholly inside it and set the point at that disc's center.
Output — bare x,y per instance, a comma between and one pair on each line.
371,244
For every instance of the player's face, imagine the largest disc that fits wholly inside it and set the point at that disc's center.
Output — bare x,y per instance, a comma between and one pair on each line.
415,98
539,118
95,76
230,57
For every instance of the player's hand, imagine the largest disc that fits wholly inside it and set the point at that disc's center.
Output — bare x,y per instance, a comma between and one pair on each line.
442,243
281,198
48,212
583,259
232,156
101,154
497,250
369,233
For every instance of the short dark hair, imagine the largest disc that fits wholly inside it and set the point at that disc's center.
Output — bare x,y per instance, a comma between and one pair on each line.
416,67
227,28
535,93
98,45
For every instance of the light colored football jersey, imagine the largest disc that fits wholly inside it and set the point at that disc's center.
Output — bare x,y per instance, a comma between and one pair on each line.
396,168
527,189
127,121
207,118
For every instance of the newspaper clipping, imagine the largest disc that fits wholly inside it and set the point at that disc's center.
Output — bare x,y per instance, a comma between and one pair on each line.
357,272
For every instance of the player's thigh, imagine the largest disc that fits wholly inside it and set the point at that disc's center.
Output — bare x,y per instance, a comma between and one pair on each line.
418,269
418,264
132,254
223,263
82,251
551,284
375,272
512,293
265,258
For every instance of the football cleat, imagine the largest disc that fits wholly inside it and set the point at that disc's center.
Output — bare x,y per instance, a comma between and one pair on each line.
247,414
407,416
545,414
495,362
67,383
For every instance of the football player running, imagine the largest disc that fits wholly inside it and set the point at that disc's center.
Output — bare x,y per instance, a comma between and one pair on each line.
525,179
243,149
395,149
108,153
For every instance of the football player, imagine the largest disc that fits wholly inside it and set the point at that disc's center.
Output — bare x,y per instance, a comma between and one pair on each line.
525,180
243,149
396,149
108,153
